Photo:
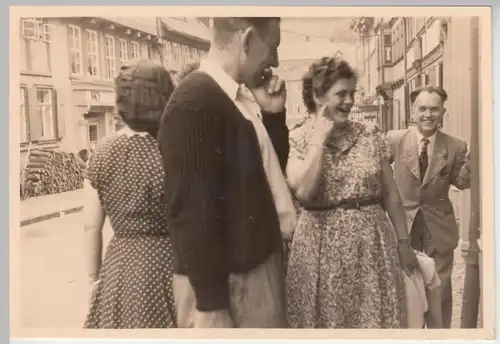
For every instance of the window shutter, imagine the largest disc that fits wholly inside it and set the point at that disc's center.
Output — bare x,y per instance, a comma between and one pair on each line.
35,125
58,117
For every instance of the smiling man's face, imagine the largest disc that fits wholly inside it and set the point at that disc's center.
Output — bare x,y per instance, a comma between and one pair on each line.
428,110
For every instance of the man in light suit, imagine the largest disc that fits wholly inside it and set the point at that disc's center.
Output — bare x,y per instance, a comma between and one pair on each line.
426,162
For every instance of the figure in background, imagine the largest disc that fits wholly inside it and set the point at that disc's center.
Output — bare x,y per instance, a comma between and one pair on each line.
133,285
426,163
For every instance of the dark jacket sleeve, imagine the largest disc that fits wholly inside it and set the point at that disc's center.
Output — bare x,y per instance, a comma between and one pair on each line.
191,143
275,124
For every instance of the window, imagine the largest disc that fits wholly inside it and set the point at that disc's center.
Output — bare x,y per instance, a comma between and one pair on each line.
45,113
153,54
93,135
36,36
123,51
92,53
194,54
387,48
185,55
168,55
75,50
135,51
23,120
110,57
176,55
36,29
202,54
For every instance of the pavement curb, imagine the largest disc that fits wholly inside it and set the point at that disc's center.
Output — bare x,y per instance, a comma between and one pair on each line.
52,215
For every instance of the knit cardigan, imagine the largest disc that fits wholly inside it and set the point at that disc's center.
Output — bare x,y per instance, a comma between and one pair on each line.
221,211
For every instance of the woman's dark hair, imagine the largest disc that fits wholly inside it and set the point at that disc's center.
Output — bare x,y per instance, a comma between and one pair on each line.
143,88
321,76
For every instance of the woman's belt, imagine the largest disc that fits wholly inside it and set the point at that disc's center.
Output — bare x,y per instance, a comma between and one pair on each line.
344,204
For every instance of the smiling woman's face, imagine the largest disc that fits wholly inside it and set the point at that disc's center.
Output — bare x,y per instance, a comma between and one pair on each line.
428,111
339,100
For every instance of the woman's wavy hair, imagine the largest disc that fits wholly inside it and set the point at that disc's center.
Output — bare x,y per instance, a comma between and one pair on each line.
321,76
143,88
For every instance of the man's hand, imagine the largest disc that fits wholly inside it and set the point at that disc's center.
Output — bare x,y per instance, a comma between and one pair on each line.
272,96
215,319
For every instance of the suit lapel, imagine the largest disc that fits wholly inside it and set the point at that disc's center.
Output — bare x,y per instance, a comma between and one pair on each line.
438,159
410,153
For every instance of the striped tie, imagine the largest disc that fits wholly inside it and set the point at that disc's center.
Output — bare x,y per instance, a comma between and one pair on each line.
424,158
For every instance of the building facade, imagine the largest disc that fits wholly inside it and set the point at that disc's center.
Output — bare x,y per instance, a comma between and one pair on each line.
67,70
396,55
292,71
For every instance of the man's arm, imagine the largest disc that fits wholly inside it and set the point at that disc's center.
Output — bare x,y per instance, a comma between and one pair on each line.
277,130
390,137
191,142
460,172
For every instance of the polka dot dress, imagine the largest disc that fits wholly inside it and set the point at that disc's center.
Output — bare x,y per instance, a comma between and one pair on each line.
135,287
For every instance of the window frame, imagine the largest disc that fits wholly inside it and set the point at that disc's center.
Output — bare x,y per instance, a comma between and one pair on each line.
75,49
53,122
24,115
123,50
110,43
92,54
135,51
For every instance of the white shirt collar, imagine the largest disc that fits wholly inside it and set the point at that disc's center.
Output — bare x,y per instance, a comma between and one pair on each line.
227,83
420,137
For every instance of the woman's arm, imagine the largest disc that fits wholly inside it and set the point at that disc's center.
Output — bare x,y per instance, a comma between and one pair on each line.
94,217
304,174
392,202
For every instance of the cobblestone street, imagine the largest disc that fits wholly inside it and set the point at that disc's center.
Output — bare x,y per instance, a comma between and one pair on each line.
55,292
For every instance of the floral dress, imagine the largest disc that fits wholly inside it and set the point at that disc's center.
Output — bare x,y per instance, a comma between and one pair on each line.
135,282
344,270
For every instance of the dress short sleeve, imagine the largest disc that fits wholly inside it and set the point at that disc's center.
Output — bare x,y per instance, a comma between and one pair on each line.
383,146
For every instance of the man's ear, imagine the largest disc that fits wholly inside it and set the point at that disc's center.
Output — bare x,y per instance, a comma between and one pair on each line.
248,37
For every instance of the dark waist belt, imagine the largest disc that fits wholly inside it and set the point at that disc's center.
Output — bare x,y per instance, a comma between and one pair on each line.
344,204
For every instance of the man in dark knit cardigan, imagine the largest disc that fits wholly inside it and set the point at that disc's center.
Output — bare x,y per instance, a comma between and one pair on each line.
224,143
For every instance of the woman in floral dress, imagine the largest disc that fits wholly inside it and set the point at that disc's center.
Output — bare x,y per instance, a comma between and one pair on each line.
347,260
133,287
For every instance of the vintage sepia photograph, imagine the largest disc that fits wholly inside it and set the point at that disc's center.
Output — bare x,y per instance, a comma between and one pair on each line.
293,172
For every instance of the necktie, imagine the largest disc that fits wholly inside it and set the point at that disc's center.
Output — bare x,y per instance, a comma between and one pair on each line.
424,158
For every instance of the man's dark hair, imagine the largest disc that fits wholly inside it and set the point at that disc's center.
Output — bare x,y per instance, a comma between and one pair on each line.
431,89
225,27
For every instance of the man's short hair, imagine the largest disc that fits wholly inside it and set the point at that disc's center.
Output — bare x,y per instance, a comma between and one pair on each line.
431,89
225,27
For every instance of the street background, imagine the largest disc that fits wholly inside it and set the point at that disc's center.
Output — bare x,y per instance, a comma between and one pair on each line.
76,58
54,287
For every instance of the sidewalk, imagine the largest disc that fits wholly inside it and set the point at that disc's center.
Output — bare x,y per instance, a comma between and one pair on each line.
43,208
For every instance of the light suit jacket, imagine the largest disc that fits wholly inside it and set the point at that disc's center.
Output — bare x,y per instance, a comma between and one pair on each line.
448,165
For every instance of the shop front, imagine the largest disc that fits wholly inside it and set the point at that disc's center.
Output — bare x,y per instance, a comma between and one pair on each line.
94,116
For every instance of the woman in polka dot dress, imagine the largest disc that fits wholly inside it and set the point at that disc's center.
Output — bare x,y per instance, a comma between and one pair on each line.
133,287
